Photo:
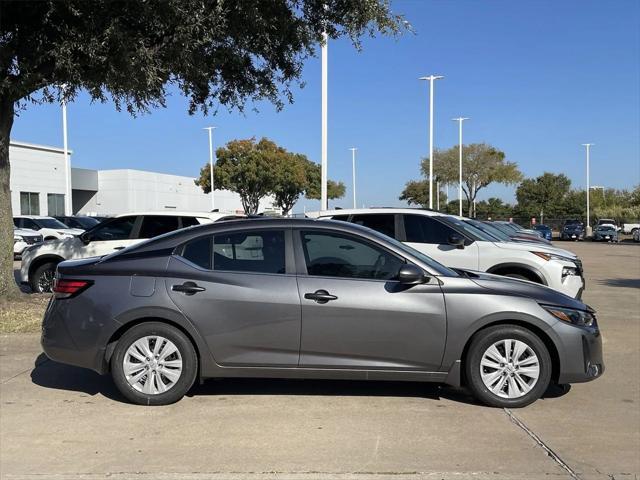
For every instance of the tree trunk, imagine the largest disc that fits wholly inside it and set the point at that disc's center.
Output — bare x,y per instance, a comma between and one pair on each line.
8,287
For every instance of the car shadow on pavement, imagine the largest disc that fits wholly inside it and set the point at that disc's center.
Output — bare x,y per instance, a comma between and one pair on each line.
621,282
50,374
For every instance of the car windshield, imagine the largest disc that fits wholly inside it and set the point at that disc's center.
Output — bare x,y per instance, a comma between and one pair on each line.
474,232
87,222
490,230
49,223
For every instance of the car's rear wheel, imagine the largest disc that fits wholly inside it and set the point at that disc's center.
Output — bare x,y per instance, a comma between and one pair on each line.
154,364
41,280
507,366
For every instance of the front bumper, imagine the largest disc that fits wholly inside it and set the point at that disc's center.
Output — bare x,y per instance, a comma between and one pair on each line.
582,358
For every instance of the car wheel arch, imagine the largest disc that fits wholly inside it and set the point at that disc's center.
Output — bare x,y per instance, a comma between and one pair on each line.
39,261
539,332
531,273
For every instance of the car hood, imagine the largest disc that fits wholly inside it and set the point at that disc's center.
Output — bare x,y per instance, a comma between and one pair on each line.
69,231
538,247
523,288
25,233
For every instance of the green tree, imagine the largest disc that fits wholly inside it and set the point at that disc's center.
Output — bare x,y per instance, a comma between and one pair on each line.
416,192
314,180
215,53
482,165
494,208
545,194
291,180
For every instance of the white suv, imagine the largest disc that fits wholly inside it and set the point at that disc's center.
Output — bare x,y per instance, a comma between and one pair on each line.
39,262
22,239
457,243
48,227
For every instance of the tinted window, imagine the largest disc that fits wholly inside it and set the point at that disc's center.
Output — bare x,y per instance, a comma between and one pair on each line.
342,218
255,251
335,255
118,229
383,223
55,203
423,229
189,222
154,225
29,203
49,223
199,252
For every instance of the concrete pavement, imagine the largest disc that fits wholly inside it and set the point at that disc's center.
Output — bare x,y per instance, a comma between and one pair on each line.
62,422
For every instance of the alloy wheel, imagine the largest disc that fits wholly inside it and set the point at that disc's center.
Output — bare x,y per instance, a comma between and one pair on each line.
509,368
152,365
45,281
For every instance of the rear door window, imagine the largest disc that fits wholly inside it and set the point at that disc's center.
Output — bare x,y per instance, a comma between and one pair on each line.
117,229
189,222
252,251
154,225
383,223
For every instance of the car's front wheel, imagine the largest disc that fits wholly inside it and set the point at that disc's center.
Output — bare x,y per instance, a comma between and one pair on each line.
507,366
154,364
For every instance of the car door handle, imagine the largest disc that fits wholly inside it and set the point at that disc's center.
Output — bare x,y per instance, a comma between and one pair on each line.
188,288
118,248
320,296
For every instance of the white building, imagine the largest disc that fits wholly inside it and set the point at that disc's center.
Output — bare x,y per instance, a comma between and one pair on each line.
38,185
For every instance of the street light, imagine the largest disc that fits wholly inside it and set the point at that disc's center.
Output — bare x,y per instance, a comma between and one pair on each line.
353,165
588,145
213,202
68,204
324,202
431,79
460,120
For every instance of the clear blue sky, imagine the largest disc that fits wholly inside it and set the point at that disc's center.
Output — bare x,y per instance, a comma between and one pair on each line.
537,79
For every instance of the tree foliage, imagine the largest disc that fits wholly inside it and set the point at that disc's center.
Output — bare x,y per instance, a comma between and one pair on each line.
255,170
482,165
216,53
545,194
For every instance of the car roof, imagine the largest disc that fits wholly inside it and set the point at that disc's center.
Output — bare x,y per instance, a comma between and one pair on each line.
374,210
33,217
173,213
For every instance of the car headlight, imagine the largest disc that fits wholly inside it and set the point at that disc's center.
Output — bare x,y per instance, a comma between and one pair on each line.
581,318
17,238
554,256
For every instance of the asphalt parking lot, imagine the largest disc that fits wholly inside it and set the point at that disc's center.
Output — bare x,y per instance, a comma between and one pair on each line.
67,423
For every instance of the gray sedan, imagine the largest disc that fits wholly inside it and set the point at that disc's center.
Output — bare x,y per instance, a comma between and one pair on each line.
311,299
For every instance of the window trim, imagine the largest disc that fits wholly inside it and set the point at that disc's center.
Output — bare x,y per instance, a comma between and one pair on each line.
301,262
289,262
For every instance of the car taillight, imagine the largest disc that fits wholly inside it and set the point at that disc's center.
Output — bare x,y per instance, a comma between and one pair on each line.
63,288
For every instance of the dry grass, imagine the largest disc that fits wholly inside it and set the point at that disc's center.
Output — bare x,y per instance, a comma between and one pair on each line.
22,314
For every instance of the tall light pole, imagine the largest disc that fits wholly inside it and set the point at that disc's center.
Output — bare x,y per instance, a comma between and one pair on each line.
68,201
353,173
588,145
460,120
213,202
431,79
324,202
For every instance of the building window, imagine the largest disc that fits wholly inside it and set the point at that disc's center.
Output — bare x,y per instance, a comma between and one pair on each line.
29,203
55,204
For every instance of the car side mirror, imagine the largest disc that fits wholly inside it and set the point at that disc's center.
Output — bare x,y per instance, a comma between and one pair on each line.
410,275
85,238
456,240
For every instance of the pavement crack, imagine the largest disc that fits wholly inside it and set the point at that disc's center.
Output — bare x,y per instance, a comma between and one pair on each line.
554,456
36,365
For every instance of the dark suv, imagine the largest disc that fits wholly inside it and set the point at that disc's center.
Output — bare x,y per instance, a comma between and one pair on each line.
572,230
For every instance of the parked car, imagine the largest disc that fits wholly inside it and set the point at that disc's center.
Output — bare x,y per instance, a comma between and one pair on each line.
544,230
519,228
22,239
80,222
457,244
630,228
311,299
605,233
607,222
572,230
48,227
636,236
39,263
516,233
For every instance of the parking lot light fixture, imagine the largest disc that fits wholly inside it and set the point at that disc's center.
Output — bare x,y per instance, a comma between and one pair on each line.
213,202
431,79
353,173
324,200
588,147
68,202
460,120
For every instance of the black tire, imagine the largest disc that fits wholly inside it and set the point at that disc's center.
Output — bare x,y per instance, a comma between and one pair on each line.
41,280
187,354
487,337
